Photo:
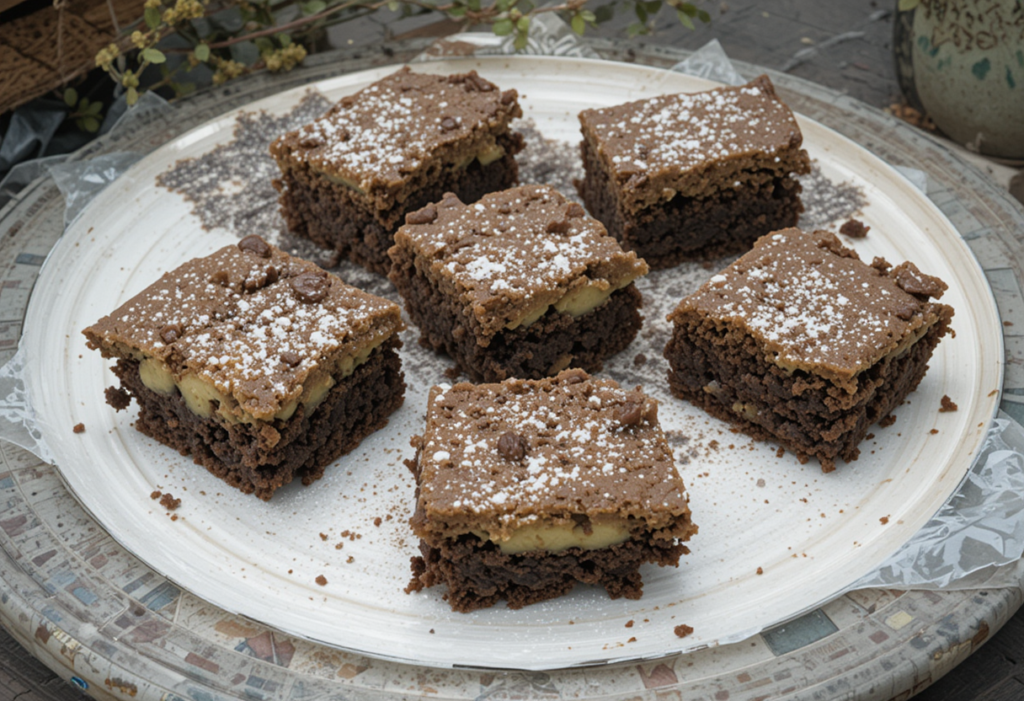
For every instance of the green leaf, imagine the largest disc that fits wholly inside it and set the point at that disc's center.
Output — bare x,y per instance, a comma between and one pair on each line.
394,6
684,19
907,5
604,13
503,27
635,29
94,109
90,124
688,9
457,12
503,5
132,96
182,89
283,39
525,6
202,52
473,5
579,25
704,17
152,17
520,43
83,105
523,24
70,97
641,12
152,55
587,15
313,7
264,44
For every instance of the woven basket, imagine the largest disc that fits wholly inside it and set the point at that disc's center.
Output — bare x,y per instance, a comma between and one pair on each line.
97,13
44,50
20,78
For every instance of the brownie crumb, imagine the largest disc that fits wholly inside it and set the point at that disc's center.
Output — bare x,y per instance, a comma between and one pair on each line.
887,421
855,229
169,502
639,359
934,431
174,517
1007,323
682,631
323,536
321,580
155,494
869,437
339,546
631,640
431,631
760,570
884,520
377,521
629,623
117,398
453,372
350,560
947,405
79,428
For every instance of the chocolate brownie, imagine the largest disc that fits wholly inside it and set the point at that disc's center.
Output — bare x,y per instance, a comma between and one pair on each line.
349,178
262,366
801,343
521,284
689,176
526,487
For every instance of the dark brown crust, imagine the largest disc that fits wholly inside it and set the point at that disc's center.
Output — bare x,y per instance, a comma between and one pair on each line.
340,218
806,414
477,574
260,458
689,228
524,352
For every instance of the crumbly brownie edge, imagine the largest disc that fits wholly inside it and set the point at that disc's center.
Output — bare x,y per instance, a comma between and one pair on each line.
477,574
525,352
340,218
805,414
260,458
685,228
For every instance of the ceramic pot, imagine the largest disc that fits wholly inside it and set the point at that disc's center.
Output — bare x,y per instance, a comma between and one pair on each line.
962,62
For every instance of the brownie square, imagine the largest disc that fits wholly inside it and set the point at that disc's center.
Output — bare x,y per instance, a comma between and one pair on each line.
526,487
688,176
262,366
521,284
801,343
349,178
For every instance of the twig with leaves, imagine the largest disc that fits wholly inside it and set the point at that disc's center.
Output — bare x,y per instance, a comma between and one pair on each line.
213,28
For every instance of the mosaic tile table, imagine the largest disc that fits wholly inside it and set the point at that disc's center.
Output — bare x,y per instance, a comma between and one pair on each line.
112,626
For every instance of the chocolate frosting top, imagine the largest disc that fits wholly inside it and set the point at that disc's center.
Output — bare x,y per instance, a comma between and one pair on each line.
394,128
585,447
813,305
670,140
250,319
514,250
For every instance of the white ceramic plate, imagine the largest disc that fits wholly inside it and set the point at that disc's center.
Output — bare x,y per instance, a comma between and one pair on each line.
811,534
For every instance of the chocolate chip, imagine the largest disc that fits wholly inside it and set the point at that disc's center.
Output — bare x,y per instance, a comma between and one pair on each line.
478,84
575,210
221,278
906,310
170,333
512,446
447,124
272,275
422,216
310,287
255,244
629,414
291,358
508,97
557,227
